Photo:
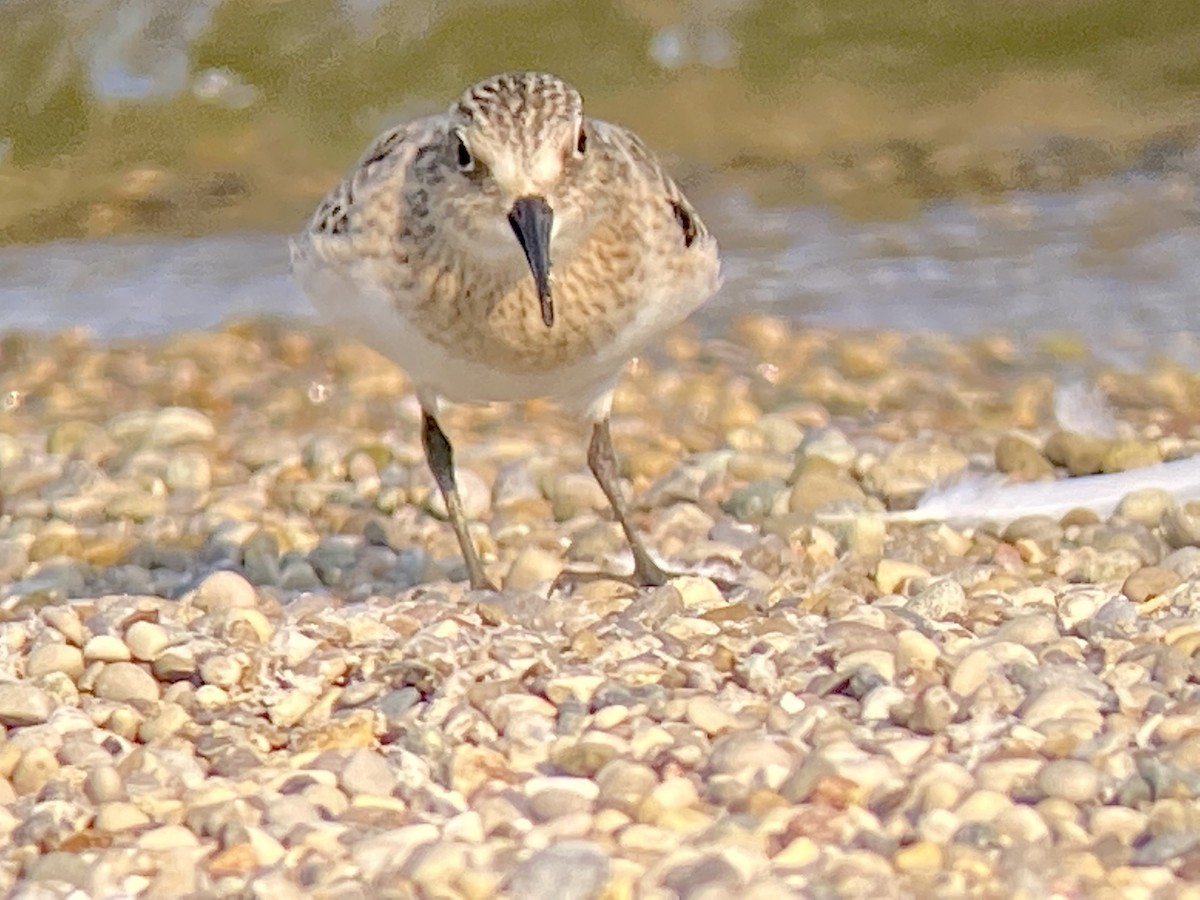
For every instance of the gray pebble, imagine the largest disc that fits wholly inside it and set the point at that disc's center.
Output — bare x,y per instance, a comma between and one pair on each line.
568,870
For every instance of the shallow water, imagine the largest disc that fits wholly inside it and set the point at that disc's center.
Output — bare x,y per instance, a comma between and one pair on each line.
1117,264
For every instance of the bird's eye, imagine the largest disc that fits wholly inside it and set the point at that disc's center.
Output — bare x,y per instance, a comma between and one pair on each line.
581,142
466,162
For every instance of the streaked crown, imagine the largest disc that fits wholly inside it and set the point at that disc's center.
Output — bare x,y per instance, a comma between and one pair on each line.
522,126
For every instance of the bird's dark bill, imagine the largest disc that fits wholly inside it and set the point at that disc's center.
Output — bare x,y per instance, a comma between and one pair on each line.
531,219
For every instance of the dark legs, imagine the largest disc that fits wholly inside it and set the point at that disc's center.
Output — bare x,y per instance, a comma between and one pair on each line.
441,461
603,463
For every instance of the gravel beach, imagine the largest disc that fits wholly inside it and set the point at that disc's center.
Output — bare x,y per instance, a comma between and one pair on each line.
237,657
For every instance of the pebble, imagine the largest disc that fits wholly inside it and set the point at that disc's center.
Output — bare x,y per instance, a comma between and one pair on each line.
223,590
1149,582
126,682
1072,780
258,673
146,640
23,704
567,870
55,657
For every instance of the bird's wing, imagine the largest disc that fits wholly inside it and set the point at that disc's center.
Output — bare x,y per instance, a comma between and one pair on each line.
344,217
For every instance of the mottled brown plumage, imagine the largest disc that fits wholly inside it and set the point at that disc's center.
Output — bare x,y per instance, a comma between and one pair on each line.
430,250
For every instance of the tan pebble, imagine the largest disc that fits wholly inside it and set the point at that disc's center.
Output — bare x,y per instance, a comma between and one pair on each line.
235,861
581,687
103,784
815,490
67,623
1018,455
624,785
918,856
355,728
146,640
267,850
551,797
175,664
222,670
915,652
55,658
467,827
223,590
1145,505
166,838
290,708
472,767
1149,582
106,648
675,793
125,722
117,816
683,821
126,682
982,806
610,717
891,575
799,853
883,662
583,759
1122,456
938,826
639,838
978,665
941,599
1121,822
1069,779
1080,455
171,718
751,758
532,567
1014,775
366,772
1022,824
34,770
1061,702
934,711
709,716
698,593
648,741
437,867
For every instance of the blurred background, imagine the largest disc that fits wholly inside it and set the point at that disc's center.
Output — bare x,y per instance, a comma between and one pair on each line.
956,165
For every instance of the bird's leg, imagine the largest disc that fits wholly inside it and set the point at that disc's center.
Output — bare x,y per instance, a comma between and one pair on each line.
603,463
441,461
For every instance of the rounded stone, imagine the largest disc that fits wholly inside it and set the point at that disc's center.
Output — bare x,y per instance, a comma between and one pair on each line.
1017,455
55,658
189,471
224,590
567,870
1149,582
146,640
34,770
106,648
1072,780
1145,505
119,815
126,682
23,704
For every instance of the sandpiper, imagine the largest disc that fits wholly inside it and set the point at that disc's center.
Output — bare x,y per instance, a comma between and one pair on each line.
512,248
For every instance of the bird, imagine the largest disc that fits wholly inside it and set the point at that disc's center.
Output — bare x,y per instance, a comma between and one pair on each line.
511,248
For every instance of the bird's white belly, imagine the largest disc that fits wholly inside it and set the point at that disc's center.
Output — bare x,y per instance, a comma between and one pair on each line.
359,307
